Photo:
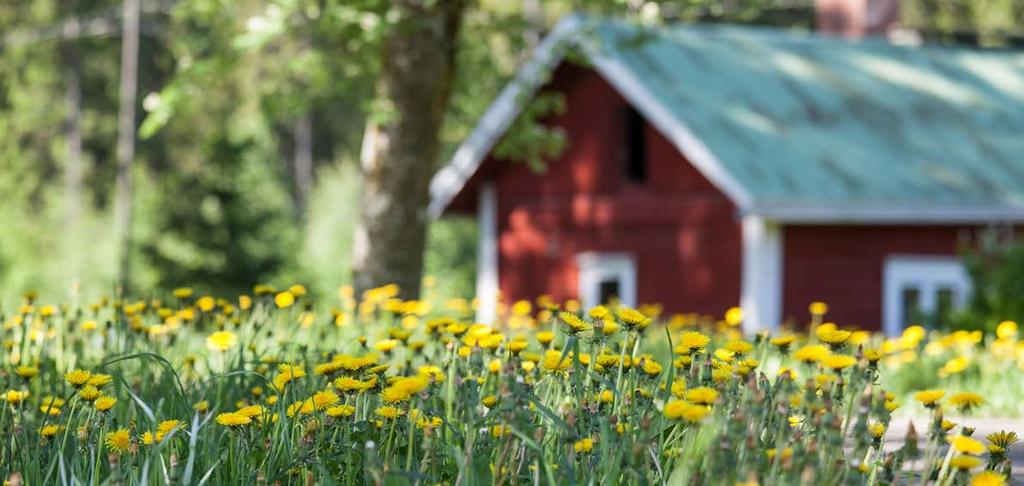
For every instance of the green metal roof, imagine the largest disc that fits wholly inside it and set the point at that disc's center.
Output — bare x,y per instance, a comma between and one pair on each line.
799,119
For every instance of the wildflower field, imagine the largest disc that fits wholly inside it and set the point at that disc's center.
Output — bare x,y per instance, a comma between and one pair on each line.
272,389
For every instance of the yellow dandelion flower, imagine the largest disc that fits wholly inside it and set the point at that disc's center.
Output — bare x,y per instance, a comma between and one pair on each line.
233,419
284,300
1002,438
929,398
206,303
324,399
404,388
734,316
739,348
966,400
98,380
811,353
553,361
104,403
386,345
681,409
651,367
877,429
584,445
988,478
701,395
50,430
389,412
251,411
783,342
965,462
15,396
574,322
1007,330
691,342
341,411
632,318
818,308
838,362
118,441
89,393
26,372
221,341
832,336
77,378
967,445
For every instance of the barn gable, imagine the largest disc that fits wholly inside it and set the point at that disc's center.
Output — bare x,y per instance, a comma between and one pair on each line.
800,128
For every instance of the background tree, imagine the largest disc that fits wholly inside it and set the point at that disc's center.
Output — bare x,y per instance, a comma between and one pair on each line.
251,116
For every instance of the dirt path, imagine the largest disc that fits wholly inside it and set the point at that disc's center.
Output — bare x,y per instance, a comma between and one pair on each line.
983,426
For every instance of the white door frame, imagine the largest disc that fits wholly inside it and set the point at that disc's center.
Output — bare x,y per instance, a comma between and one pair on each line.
597,266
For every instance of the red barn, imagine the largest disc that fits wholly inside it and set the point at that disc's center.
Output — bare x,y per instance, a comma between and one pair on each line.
710,166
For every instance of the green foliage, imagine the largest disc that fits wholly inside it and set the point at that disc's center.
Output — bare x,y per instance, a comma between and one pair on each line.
451,257
984,21
529,140
327,241
226,223
995,266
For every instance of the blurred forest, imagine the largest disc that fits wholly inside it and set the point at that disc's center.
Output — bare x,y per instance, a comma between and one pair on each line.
249,118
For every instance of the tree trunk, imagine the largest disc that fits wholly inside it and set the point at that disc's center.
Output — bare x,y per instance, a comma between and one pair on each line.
303,163
126,137
400,150
73,170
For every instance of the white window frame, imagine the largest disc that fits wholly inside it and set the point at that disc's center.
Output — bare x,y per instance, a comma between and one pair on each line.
595,267
927,273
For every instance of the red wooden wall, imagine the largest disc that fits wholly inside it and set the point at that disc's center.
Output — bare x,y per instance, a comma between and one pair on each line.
843,266
683,232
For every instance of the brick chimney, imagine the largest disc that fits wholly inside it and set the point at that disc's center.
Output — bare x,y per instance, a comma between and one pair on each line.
857,18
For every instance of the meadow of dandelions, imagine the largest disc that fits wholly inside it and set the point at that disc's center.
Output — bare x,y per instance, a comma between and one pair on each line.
272,389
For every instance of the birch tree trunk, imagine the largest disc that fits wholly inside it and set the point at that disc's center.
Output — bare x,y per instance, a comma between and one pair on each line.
400,149
73,170
126,137
303,162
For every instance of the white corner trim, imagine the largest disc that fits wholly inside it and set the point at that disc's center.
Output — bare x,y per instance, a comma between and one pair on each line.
487,254
593,267
685,141
761,286
500,115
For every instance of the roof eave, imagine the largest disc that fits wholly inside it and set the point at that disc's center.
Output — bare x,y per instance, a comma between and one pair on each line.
904,214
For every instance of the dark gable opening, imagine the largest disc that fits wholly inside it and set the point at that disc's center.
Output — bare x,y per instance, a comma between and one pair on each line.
634,153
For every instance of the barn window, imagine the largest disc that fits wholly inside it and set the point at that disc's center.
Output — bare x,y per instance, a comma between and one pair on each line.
606,277
635,150
922,290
